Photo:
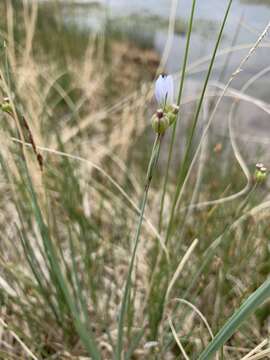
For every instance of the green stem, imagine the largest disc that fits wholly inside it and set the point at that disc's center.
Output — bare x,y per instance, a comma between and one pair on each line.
183,167
181,86
246,199
124,306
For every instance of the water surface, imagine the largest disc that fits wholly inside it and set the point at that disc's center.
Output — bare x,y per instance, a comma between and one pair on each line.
150,18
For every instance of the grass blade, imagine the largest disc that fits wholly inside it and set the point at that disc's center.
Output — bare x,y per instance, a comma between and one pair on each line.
83,332
181,87
183,168
123,309
246,309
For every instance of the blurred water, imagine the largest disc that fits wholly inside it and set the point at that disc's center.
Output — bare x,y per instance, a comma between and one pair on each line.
247,19
253,128
255,14
253,20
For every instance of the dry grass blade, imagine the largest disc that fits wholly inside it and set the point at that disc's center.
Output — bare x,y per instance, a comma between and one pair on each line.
261,355
256,349
28,352
180,267
199,313
178,342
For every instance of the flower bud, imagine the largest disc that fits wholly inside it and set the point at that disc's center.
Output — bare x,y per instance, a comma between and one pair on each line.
260,173
160,121
259,166
172,112
6,106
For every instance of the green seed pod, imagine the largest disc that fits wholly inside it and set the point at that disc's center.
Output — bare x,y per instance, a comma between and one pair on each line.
160,122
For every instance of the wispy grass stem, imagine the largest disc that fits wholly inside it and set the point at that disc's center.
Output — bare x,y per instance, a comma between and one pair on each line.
123,310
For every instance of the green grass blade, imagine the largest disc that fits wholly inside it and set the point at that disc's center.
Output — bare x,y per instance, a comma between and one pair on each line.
34,265
134,344
180,92
83,332
246,309
183,167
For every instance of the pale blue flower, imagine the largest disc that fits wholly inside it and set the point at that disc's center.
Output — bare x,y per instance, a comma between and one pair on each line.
164,90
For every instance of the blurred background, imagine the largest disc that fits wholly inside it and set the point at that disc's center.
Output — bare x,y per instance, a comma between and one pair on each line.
156,31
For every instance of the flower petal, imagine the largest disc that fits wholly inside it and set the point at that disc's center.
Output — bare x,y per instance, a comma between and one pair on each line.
158,89
164,89
170,89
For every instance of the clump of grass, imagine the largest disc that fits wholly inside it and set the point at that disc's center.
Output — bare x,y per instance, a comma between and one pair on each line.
73,283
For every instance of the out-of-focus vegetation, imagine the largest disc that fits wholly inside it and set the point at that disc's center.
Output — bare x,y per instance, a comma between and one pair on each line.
67,230
256,2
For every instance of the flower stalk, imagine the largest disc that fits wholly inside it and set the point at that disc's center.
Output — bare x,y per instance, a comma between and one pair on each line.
185,162
124,305
179,97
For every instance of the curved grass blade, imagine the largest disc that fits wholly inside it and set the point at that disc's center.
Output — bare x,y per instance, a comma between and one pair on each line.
247,308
